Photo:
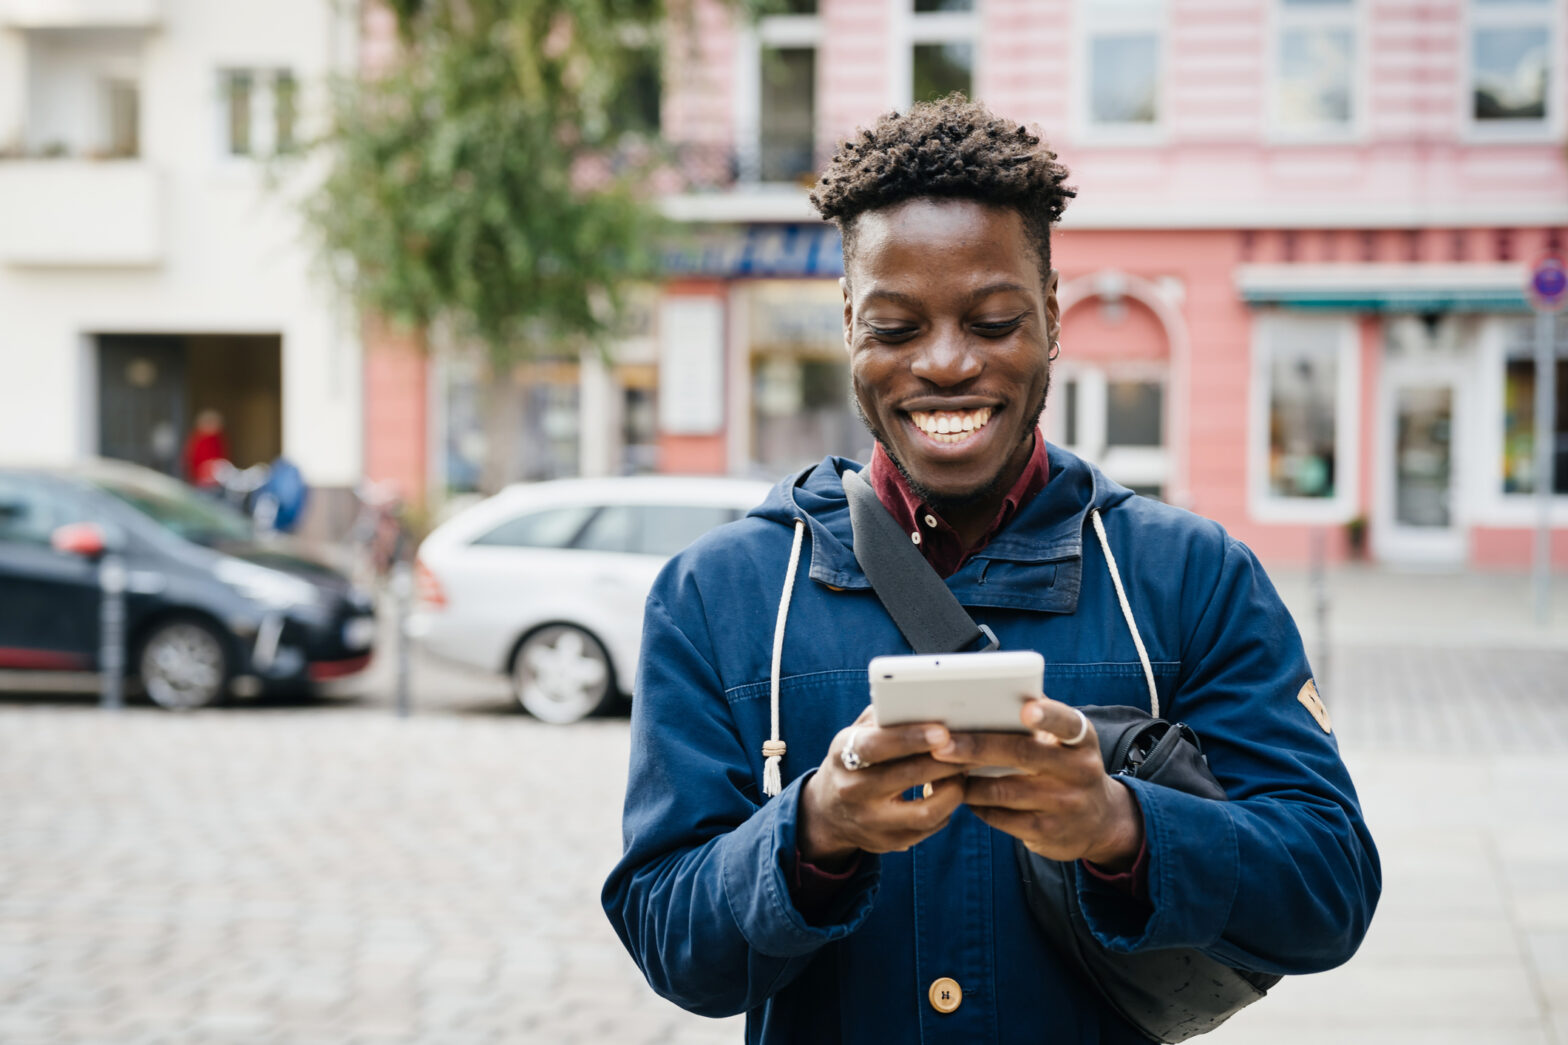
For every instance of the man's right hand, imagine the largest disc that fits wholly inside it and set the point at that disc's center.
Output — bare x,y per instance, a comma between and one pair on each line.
843,811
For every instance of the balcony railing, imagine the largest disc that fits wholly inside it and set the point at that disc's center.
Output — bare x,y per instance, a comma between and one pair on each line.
81,14
80,213
705,167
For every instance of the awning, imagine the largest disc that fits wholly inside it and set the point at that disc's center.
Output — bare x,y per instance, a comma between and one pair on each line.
1386,287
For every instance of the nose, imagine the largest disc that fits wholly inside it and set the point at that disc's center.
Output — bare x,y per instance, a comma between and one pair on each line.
945,360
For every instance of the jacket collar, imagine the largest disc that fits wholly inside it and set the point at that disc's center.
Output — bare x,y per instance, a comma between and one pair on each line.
1034,563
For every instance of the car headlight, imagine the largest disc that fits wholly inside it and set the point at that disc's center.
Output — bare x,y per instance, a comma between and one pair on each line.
271,588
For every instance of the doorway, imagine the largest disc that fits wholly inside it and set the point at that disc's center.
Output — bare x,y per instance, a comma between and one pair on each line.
1420,414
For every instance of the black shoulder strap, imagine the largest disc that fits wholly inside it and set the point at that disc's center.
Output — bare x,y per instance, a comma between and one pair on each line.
915,597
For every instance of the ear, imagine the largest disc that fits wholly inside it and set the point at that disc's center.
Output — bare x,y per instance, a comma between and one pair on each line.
1053,308
849,311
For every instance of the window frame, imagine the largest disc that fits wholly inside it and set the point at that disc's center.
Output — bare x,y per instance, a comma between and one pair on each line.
1512,14
1284,17
1141,16
1494,506
913,27
263,112
1127,464
769,32
1344,505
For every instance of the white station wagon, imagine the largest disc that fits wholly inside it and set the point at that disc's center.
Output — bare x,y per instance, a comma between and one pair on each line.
545,582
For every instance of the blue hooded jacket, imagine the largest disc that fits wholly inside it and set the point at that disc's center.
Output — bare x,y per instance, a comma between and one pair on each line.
1282,878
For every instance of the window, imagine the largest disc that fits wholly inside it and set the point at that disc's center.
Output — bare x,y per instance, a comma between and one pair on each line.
549,528
777,110
634,108
1511,67
1123,49
122,106
942,37
28,514
1114,416
1519,377
661,529
1304,395
1315,66
260,112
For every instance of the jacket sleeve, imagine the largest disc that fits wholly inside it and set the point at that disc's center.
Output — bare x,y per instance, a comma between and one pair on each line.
1284,877
700,897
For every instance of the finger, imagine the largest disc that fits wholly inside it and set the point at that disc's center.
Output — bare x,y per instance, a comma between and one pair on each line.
877,744
1022,791
900,824
1062,721
901,774
1022,750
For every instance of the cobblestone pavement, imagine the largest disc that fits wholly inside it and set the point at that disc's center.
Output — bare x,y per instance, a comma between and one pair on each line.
326,872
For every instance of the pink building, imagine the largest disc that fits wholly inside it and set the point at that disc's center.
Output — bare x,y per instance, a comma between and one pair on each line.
1293,279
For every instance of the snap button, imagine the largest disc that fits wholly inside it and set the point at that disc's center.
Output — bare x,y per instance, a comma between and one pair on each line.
946,995
931,521
915,536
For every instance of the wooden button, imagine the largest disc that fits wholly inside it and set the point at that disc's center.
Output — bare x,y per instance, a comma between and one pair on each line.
946,995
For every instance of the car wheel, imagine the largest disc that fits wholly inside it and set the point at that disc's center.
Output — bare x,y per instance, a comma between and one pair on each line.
184,665
561,674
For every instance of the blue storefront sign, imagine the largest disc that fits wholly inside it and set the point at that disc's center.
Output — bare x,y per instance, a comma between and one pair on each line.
764,251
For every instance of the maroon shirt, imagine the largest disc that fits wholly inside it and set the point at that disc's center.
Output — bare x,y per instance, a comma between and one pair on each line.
814,889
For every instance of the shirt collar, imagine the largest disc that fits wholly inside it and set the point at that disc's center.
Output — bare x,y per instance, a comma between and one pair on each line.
938,541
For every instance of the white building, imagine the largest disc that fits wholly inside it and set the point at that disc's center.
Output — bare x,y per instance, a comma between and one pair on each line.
152,262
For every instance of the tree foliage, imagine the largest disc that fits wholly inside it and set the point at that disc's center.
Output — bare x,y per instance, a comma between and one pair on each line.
467,183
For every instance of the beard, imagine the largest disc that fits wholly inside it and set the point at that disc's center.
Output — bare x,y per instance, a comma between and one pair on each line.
943,504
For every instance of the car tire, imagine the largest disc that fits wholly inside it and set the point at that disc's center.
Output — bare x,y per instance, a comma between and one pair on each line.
561,674
183,664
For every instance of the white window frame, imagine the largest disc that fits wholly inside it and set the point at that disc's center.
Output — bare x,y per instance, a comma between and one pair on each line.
1128,465
263,112
768,32
1096,18
1344,505
1516,15
1493,506
1283,17
934,27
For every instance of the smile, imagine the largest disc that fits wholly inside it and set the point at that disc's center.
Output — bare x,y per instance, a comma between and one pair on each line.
950,426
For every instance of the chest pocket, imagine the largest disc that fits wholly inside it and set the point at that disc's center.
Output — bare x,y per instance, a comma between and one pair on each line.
1110,682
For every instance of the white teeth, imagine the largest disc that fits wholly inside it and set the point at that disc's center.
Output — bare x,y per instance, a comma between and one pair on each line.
954,424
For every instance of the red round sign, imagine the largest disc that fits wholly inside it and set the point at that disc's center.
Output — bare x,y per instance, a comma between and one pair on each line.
1549,284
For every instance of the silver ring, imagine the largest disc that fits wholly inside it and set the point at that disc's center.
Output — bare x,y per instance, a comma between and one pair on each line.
1083,730
849,756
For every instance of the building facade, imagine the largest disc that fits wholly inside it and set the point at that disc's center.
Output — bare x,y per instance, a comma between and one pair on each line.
152,262
1292,281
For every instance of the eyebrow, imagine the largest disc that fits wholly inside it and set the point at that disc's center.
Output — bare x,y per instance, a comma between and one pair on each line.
910,301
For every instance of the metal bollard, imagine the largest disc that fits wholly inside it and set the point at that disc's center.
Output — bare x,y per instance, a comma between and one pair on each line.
111,633
1319,572
402,592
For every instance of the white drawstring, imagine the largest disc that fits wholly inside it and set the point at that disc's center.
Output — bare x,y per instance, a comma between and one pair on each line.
773,748
1121,595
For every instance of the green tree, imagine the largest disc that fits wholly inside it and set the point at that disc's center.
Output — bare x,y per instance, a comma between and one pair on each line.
468,185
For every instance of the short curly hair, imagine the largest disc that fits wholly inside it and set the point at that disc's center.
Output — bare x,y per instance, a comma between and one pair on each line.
952,148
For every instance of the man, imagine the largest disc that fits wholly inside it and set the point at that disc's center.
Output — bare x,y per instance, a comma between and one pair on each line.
847,908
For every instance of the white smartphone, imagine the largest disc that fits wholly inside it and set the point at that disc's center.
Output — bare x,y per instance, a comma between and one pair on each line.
967,692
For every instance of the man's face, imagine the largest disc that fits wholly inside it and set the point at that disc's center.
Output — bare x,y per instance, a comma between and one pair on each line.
948,324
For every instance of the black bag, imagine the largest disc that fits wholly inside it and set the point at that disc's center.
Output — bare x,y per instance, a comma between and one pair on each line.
1167,995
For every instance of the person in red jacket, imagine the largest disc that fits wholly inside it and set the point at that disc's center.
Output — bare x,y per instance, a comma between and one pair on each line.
205,447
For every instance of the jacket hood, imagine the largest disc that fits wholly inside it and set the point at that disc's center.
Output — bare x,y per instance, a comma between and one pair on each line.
1049,528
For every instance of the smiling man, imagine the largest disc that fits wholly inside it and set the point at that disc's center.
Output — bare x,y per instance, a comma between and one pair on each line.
841,882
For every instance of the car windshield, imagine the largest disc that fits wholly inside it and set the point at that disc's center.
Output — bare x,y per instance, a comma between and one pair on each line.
178,508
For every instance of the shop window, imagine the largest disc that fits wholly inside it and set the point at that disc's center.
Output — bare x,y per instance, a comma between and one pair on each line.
1511,65
1519,379
1315,66
260,112
942,48
1304,405
1124,43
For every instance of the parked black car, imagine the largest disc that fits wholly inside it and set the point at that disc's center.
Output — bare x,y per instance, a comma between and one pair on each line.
210,610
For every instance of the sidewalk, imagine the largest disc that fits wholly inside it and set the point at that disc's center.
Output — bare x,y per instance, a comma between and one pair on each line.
1380,605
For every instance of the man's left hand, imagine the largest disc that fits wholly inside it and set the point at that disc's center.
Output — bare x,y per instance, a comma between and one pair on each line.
1063,805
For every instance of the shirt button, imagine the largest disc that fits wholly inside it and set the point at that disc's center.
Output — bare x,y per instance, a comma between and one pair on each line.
946,995
931,521
915,536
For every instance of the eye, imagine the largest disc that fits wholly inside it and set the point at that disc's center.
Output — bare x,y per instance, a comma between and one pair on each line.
999,328
889,333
